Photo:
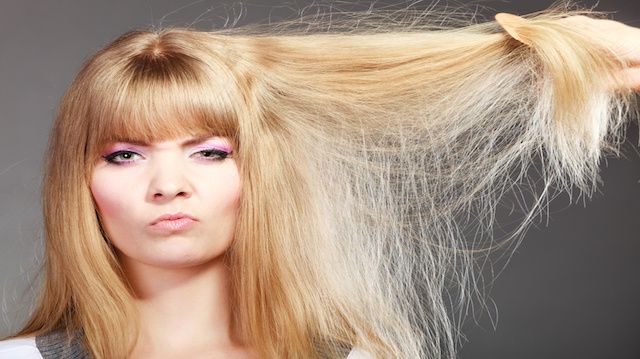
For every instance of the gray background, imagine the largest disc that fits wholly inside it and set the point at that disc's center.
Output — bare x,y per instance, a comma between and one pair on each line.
570,291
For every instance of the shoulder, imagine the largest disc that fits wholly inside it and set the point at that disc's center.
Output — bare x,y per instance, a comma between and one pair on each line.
359,354
19,348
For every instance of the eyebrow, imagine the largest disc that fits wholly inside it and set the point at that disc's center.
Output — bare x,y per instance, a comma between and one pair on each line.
189,142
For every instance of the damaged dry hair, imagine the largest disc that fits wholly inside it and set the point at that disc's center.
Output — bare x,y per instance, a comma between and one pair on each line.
367,149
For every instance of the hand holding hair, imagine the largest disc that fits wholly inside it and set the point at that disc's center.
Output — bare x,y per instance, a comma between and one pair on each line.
622,40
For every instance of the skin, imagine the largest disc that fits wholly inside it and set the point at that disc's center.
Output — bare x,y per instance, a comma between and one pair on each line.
180,278
622,39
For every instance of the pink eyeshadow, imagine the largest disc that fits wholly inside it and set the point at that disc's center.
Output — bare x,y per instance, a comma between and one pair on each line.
121,147
218,146
124,146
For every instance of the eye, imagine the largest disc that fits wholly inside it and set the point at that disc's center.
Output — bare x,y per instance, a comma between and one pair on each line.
213,154
125,155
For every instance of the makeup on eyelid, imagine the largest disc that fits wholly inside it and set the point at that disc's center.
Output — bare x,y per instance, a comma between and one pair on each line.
141,149
217,146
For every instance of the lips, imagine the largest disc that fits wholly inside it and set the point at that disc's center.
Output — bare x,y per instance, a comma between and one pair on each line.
171,217
172,223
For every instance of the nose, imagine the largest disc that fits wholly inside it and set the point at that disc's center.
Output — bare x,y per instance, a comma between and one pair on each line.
168,181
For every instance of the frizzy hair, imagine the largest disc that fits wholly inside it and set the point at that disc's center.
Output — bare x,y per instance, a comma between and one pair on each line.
361,149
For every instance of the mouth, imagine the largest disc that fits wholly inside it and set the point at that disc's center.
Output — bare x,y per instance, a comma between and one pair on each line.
172,223
173,216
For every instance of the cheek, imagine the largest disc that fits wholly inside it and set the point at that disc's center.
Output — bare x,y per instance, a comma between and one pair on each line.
233,189
110,199
223,196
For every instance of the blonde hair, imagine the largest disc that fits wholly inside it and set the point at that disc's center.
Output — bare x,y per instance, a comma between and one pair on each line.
364,147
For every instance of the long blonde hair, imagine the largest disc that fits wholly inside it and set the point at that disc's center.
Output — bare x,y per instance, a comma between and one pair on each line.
366,149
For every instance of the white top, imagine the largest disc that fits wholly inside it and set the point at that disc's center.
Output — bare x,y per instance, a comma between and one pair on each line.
22,348
25,348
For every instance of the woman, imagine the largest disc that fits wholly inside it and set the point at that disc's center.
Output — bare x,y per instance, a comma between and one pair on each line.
298,194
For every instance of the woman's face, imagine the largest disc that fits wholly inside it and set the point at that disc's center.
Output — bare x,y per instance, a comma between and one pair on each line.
134,184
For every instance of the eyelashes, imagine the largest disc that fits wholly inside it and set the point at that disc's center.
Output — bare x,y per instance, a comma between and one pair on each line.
125,157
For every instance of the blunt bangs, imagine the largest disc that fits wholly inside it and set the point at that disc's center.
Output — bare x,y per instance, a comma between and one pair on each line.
161,97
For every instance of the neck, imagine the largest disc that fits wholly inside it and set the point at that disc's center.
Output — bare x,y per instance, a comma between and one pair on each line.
182,308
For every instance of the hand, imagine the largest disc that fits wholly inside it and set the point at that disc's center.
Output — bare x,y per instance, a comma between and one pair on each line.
622,39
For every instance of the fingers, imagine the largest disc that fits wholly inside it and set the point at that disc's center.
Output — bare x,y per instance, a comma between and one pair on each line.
622,40
510,24
630,79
